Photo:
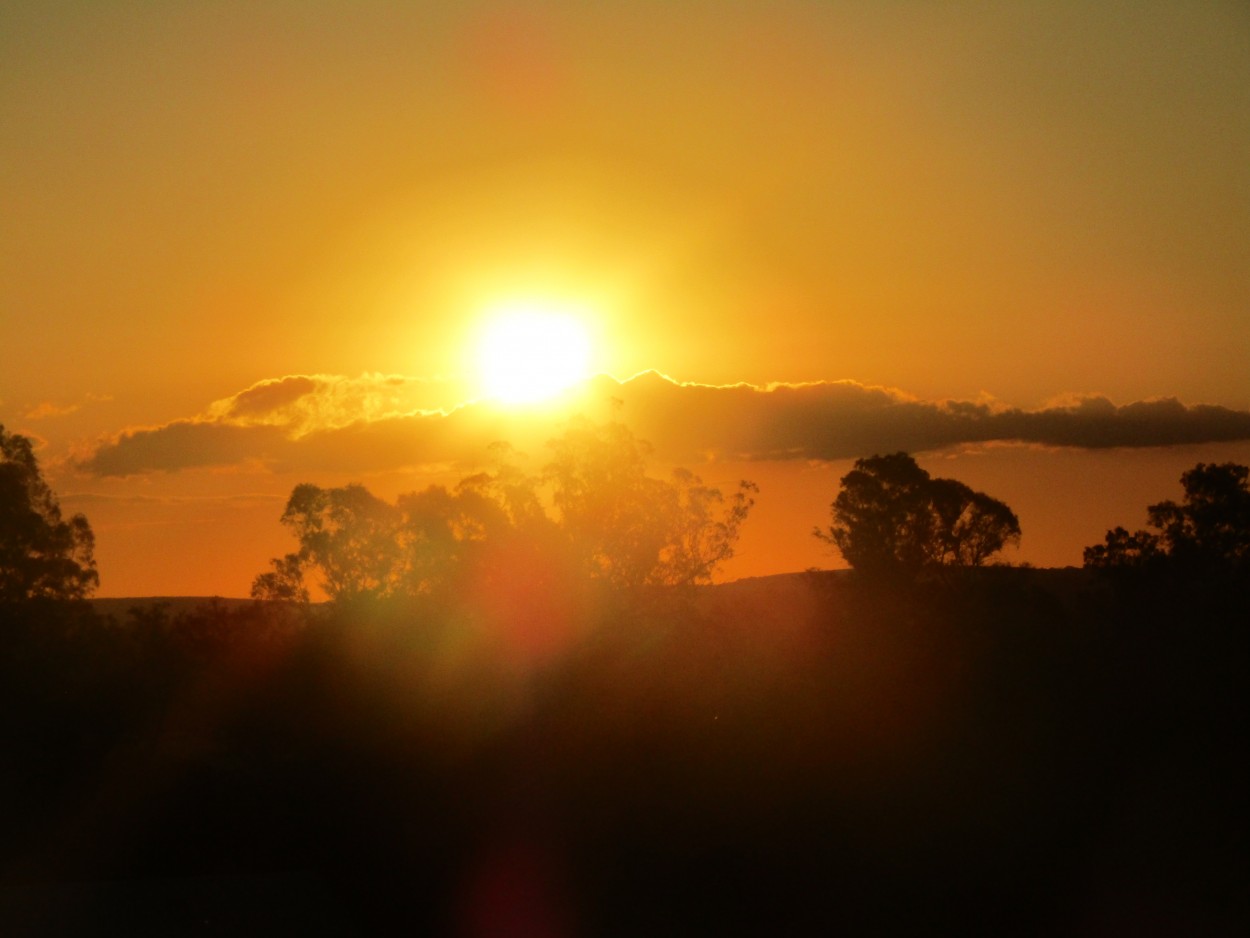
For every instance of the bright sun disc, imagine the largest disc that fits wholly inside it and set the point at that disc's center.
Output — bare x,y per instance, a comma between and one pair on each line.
529,354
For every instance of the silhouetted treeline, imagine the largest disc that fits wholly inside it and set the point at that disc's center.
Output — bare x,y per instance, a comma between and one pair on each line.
608,521
1035,752
1205,538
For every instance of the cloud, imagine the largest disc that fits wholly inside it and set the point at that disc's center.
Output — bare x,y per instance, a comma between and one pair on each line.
266,397
47,409
375,422
845,419
308,423
182,444
301,403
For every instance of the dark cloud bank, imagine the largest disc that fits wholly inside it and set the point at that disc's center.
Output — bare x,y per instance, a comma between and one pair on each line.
300,424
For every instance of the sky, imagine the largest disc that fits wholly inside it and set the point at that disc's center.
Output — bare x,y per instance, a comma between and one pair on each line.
247,245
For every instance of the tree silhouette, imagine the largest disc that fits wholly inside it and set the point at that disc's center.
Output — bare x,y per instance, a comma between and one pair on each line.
1208,530
357,545
1121,549
969,527
41,554
347,535
486,519
629,528
891,518
618,524
284,583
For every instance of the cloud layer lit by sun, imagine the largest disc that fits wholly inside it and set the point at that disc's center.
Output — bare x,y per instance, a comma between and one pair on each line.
312,423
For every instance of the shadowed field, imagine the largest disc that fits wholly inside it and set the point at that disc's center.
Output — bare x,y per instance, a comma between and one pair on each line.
1033,752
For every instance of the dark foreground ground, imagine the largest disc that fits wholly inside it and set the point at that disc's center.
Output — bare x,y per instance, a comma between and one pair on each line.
1023,752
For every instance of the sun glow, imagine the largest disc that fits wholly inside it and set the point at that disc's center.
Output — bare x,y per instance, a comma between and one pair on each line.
530,352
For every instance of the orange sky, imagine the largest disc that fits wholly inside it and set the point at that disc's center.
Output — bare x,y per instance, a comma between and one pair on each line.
1030,206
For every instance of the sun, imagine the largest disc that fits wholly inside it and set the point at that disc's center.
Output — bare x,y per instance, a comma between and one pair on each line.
530,352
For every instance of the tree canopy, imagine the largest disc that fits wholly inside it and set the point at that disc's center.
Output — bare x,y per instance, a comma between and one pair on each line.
42,555
1208,530
355,544
629,528
609,520
890,517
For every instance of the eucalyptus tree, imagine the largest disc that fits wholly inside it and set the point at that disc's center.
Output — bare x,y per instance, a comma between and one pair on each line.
891,518
42,553
609,521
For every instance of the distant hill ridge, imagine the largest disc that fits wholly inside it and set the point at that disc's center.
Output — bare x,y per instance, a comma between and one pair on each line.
119,606
1064,578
